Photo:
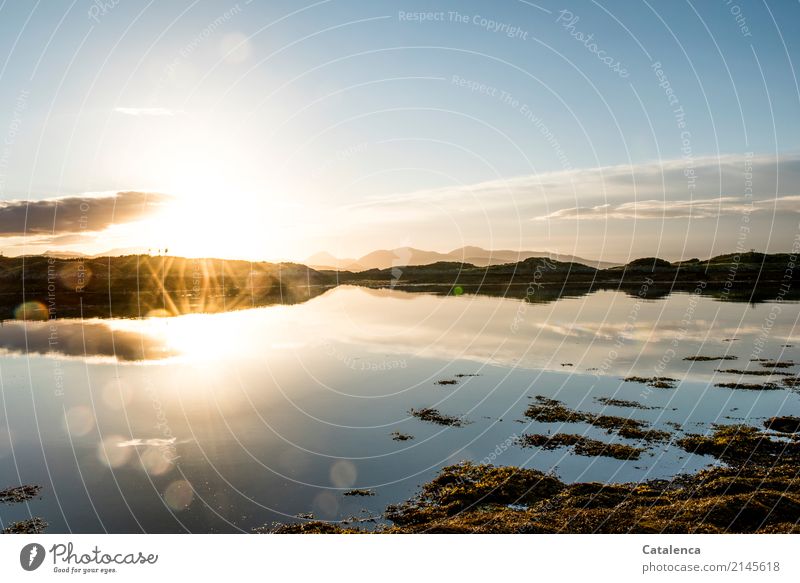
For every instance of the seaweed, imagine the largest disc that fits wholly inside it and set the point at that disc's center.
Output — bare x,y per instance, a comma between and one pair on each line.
447,382
783,424
397,436
700,358
749,386
581,445
313,527
611,402
741,444
33,525
757,492
434,416
465,485
359,492
655,382
754,500
760,373
548,410
766,363
19,493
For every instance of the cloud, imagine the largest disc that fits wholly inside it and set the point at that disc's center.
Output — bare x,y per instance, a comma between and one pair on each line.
57,216
675,209
668,188
149,111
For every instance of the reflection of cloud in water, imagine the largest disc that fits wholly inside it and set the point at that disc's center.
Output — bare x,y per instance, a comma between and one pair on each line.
583,331
154,441
81,339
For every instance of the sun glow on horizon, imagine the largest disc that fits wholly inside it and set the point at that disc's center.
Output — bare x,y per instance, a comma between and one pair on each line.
229,198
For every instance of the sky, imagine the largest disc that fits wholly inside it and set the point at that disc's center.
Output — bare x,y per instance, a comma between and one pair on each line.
272,130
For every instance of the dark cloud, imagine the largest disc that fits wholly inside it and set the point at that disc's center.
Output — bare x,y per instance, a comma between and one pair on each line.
77,214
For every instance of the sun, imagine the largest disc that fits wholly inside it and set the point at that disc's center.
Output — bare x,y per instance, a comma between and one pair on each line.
228,196
217,211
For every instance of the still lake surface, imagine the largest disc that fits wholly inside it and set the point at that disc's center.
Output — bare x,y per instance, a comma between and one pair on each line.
226,422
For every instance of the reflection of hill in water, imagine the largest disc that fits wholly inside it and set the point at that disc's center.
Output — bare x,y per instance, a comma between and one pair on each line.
550,292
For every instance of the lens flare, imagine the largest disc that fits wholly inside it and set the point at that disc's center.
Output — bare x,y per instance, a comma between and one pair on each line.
31,311
179,495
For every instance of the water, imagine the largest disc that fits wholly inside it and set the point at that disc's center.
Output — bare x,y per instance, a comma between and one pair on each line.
225,422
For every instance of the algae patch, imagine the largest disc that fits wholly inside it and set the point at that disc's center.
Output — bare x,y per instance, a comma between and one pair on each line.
582,445
434,416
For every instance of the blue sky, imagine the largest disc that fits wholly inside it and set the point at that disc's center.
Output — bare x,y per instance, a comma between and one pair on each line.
291,127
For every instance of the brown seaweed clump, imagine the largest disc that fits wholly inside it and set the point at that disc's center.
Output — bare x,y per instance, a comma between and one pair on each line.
749,386
766,363
719,500
621,403
16,495
548,410
582,445
741,445
467,487
655,382
759,373
434,416
19,493
398,436
312,527
700,358
359,492
33,525
784,424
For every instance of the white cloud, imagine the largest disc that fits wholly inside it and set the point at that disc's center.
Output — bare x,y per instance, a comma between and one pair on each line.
675,209
705,179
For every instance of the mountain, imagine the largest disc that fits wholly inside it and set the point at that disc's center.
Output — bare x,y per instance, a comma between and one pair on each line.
64,254
122,251
324,260
482,257
405,256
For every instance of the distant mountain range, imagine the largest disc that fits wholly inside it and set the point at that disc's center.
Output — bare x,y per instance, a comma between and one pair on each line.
117,252
404,256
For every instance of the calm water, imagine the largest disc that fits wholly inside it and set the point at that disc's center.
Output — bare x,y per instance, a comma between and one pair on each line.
226,422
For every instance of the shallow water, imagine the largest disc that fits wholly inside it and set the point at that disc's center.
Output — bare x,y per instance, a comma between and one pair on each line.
225,422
